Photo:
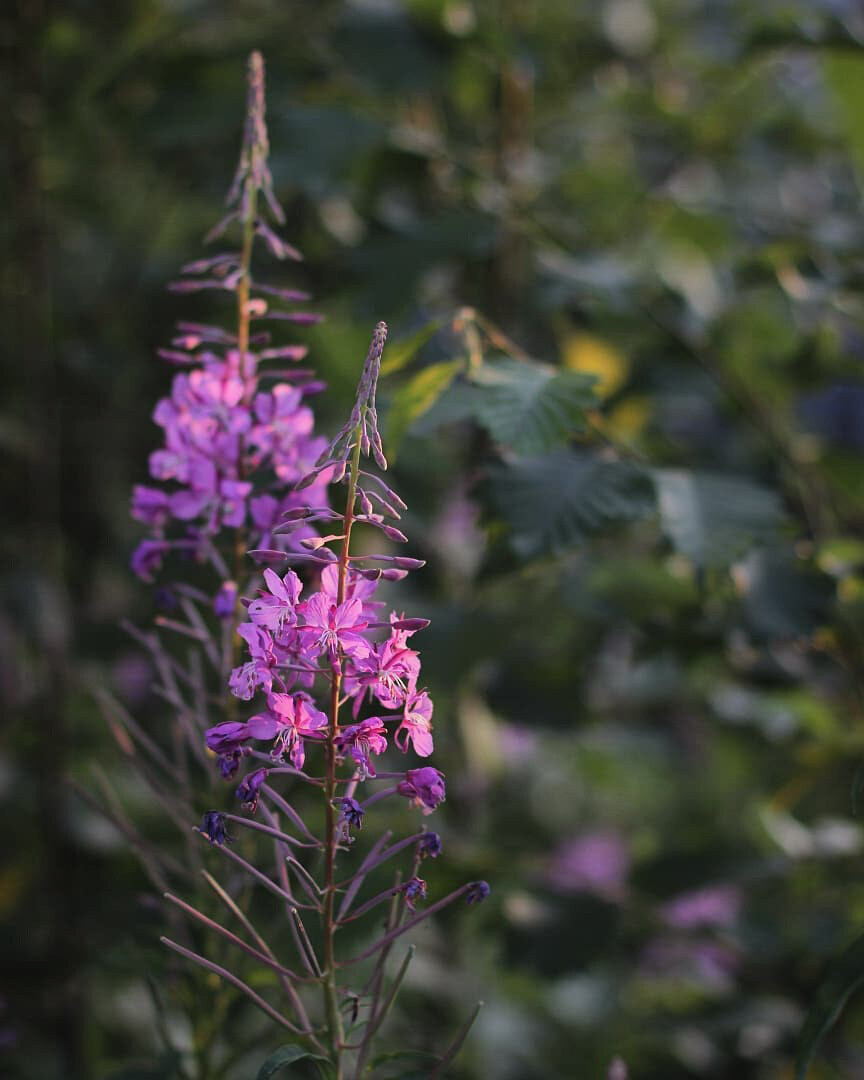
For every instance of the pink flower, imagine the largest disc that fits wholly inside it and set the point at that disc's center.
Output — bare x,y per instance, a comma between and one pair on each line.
289,718
334,628
361,740
277,610
416,726
259,670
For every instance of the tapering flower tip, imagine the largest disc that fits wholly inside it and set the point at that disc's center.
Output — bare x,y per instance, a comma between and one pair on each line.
429,845
249,788
413,889
352,812
477,892
213,827
617,1069
225,600
252,170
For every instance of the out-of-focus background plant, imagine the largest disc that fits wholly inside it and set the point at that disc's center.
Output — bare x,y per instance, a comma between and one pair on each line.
648,612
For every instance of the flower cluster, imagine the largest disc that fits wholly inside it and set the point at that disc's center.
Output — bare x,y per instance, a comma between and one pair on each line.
299,641
333,673
231,445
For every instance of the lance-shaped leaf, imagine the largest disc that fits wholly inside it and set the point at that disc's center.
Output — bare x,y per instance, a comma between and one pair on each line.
415,397
285,1056
844,976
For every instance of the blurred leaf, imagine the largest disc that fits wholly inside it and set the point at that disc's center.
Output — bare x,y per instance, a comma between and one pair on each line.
417,396
842,979
287,1055
553,502
392,1066
783,597
711,518
529,408
164,1069
844,73
526,408
317,146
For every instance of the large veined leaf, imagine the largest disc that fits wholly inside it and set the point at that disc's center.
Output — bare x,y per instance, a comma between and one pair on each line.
287,1055
711,518
844,976
526,408
529,408
553,502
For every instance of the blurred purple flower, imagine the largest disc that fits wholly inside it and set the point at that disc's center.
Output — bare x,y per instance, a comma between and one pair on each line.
717,905
595,862
709,964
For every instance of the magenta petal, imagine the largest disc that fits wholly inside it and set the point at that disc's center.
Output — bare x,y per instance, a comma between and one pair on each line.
262,726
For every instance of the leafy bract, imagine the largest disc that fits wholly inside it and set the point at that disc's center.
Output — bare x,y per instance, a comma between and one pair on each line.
555,501
286,1055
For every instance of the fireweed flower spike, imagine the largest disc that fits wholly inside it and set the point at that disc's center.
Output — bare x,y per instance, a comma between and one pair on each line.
232,444
237,433
322,654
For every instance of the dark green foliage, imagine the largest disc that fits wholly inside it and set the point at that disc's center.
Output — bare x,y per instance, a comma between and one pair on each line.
647,592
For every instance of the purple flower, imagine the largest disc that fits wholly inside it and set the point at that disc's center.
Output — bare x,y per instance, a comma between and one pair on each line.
249,788
416,725
225,600
429,846
277,611
228,736
361,740
150,505
259,670
413,889
148,557
595,862
717,905
229,763
425,787
477,892
352,812
213,827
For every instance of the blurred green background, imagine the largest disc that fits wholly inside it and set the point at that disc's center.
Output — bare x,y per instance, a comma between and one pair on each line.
646,649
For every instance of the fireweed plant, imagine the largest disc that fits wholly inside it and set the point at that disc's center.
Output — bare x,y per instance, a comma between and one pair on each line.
333,674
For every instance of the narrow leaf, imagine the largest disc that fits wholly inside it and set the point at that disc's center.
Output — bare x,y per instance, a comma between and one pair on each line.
399,353
842,979
285,1055
416,396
